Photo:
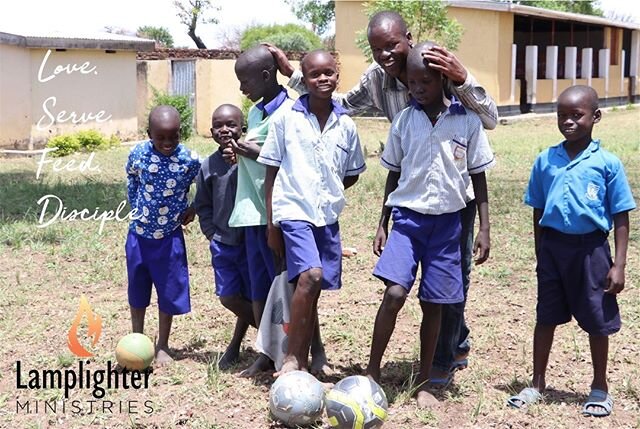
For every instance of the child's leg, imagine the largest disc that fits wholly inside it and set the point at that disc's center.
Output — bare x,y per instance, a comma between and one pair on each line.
542,342
393,300
162,346
429,330
137,319
599,355
232,353
319,361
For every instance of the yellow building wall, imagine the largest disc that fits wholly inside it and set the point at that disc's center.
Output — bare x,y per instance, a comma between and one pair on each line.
349,19
544,93
69,102
15,102
598,85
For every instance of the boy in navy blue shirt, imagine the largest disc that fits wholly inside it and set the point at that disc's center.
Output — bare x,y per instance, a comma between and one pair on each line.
577,191
159,174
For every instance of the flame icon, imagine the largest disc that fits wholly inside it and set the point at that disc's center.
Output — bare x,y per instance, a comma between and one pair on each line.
94,331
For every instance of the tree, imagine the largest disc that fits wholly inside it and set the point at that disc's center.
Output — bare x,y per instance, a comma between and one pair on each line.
319,13
426,20
585,7
288,37
160,34
192,12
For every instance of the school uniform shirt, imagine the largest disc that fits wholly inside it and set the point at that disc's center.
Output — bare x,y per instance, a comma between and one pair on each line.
157,186
215,197
581,195
250,208
435,161
378,90
312,163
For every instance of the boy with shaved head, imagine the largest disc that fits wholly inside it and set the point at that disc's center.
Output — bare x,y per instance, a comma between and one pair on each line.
159,174
578,191
312,154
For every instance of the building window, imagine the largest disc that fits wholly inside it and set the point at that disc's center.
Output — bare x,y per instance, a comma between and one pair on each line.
614,47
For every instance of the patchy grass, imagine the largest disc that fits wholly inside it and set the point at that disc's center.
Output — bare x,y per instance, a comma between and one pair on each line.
45,270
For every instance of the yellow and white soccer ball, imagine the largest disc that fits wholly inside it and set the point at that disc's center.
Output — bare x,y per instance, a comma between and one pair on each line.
356,402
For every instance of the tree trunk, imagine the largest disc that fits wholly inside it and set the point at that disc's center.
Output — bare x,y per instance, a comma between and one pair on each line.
199,43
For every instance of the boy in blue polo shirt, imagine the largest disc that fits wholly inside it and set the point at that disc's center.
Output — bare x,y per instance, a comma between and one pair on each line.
577,190
312,155
159,174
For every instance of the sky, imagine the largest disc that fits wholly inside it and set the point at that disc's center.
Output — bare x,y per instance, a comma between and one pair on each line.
93,15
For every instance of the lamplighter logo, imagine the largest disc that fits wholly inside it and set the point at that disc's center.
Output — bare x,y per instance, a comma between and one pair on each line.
74,380
94,329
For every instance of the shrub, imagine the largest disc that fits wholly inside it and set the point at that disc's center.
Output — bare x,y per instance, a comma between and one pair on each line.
289,37
91,140
66,144
181,103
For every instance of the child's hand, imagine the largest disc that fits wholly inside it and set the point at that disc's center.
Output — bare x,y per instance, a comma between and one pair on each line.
275,241
440,59
229,155
188,215
284,66
379,241
482,246
615,280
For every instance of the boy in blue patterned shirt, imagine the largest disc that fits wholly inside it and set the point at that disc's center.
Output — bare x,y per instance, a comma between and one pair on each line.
159,173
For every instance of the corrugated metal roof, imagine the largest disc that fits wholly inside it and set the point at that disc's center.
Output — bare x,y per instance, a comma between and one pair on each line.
75,40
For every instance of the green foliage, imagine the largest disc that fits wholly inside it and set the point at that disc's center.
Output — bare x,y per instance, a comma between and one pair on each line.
181,103
85,140
66,144
585,7
288,37
91,140
160,34
319,13
245,107
426,20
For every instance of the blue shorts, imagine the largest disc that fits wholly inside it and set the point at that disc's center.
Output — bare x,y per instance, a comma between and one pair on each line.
307,246
572,276
230,269
434,242
262,269
162,263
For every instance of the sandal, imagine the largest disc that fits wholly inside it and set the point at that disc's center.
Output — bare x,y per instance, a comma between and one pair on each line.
526,397
598,398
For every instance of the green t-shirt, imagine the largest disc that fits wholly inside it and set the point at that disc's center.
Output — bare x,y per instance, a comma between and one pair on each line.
250,208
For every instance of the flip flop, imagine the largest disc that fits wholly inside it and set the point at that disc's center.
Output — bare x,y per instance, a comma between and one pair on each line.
598,398
441,382
459,364
526,397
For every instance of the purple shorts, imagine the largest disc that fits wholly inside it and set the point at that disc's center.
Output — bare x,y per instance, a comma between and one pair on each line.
262,269
230,269
572,276
162,263
434,242
307,246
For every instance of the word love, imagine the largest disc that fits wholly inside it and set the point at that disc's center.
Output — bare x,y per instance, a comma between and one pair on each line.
60,165
61,213
85,68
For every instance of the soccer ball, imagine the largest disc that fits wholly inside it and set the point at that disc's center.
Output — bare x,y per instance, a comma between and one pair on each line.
356,402
296,398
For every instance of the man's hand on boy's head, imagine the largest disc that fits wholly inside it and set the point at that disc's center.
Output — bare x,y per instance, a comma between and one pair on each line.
615,280
284,66
482,246
188,215
447,63
379,241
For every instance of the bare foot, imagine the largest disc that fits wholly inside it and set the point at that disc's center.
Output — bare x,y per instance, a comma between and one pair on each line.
162,356
229,358
289,364
425,399
373,374
320,365
262,364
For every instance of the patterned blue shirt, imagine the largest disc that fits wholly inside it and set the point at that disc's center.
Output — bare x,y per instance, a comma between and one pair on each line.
581,195
157,186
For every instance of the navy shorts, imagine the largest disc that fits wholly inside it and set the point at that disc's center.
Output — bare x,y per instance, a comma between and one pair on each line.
162,263
230,269
308,246
262,269
572,276
433,241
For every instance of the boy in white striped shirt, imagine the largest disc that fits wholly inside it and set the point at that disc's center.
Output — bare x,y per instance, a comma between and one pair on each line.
436,154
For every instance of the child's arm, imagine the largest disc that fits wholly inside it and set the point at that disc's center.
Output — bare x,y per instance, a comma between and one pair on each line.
537,230
383,226
482,244
203,203
189,215
246,148
274,234
349,181
615,278
133,181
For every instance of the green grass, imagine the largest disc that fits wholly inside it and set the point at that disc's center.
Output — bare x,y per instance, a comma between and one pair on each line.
46,269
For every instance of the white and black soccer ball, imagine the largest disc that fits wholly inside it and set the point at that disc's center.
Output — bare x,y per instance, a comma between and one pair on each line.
356,402
296,399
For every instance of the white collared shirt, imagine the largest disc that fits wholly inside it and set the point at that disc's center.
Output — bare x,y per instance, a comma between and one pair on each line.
435,162
312,164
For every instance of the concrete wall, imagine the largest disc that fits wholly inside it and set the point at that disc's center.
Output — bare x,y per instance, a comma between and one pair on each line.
15,100
349,19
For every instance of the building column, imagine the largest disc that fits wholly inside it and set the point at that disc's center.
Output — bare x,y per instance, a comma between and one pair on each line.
570,63
633,65
603,69
587,65
623,61
531,72
514,50
551,71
